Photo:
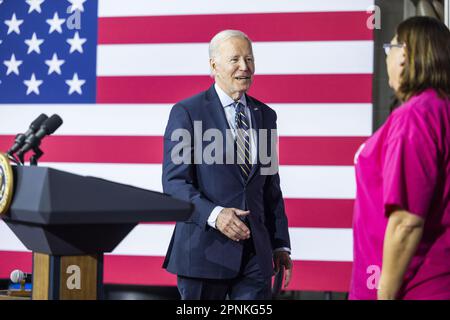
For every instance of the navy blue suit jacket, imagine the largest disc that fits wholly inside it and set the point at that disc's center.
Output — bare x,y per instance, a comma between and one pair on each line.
196,249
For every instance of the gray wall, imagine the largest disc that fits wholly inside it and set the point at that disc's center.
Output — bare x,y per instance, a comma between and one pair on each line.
392,13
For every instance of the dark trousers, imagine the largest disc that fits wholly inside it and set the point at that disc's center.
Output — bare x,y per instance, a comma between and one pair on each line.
248,285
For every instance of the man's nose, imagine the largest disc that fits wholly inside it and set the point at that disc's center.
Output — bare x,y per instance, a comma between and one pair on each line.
243,65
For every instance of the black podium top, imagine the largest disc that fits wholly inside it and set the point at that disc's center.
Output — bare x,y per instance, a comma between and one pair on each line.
61,213
49,196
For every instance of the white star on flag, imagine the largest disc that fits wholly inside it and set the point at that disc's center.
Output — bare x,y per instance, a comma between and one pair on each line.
34,5
75,84
34,44
54,65
76,5
76,43
55,23
13,24
33,85
13,65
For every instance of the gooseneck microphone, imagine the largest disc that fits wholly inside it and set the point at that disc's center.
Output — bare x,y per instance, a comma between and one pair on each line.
21,137
18,276
34,140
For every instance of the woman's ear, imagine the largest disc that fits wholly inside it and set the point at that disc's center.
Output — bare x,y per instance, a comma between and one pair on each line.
401,60
403,57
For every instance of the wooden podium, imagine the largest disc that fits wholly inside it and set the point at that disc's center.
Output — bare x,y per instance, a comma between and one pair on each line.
80,277
69,221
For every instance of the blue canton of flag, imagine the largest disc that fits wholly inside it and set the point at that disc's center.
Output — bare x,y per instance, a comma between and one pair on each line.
48,51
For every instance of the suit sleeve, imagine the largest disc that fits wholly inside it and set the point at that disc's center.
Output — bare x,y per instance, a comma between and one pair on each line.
179,179
276,220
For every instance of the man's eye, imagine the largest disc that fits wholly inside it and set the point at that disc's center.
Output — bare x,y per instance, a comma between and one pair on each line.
234,60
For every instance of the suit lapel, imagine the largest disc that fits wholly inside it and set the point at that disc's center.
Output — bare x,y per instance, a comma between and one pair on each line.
256,125
217,113
215,110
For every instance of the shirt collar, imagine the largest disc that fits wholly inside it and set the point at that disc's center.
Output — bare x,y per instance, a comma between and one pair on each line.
225,99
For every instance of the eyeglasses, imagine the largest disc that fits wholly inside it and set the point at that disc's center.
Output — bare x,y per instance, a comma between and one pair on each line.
387,46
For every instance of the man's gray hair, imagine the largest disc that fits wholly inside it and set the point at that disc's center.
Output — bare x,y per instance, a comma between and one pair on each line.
223,36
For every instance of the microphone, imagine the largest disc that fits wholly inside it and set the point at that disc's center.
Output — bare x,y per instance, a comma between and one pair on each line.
21,137
17,276
47,128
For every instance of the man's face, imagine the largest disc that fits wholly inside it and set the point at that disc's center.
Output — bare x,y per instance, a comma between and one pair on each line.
233,66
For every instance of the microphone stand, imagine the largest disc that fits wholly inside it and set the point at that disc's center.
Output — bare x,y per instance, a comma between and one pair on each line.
20,159
35,157
14,159
22,292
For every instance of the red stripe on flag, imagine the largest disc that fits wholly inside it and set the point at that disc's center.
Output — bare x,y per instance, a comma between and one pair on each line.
11,260
317,88
137,270
149,89
319,150
319,213
6,142
321,276
300,26
149,149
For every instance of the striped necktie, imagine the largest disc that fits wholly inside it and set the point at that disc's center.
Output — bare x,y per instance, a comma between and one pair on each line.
242,140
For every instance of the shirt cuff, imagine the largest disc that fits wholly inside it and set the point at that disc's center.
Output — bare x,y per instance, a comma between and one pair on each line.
213,216
282,249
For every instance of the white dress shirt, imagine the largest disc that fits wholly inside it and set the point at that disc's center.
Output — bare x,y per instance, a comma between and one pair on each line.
230,112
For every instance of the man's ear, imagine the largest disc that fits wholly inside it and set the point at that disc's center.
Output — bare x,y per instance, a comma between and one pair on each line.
212,66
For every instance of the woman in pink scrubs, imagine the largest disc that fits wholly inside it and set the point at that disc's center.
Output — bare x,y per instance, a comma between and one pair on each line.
402,210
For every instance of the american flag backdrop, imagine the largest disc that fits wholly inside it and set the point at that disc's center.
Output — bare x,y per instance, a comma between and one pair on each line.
112,70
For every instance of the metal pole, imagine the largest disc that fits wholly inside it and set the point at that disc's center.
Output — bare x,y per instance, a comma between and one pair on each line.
409,9
447,12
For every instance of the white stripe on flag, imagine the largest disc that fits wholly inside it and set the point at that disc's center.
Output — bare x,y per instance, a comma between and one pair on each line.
8,240
321,244
352,119
307,57
318,182
310,182
115,8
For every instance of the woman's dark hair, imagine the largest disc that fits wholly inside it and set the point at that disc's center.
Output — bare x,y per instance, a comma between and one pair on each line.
427,63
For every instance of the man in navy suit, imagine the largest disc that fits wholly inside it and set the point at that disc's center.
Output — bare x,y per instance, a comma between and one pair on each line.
238,230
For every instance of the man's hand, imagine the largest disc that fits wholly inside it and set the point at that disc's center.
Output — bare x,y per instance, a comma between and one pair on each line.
282,258
229,224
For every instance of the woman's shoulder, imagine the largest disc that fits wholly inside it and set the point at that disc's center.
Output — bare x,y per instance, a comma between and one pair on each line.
423,114
426,104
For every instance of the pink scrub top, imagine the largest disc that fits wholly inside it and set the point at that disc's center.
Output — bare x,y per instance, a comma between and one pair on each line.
405,163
